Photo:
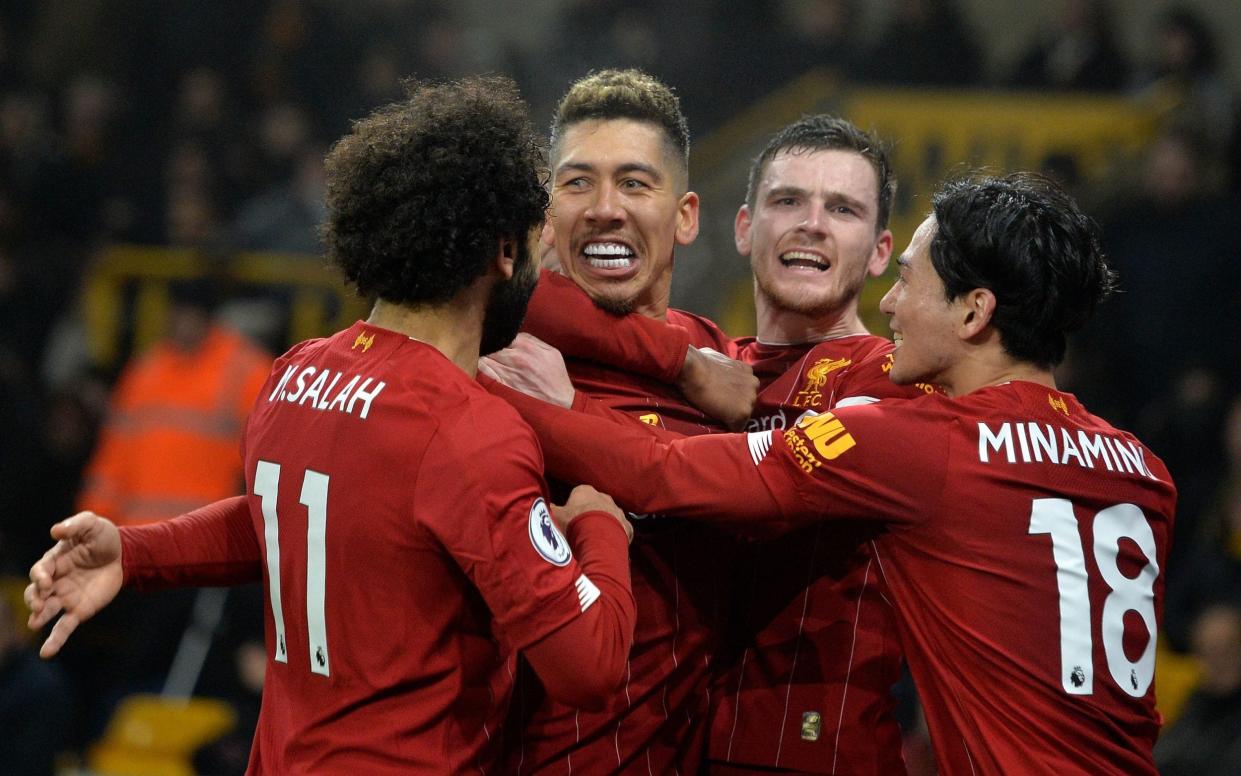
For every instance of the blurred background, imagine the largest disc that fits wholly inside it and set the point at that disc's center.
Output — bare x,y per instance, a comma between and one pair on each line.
161,180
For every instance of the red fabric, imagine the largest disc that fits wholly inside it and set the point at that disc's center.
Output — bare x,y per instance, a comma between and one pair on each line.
978,585
412,502
211,546
169,443
812,650
658,719
572,674
562,315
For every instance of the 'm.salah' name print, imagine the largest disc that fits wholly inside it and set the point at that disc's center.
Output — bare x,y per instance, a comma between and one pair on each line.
317,388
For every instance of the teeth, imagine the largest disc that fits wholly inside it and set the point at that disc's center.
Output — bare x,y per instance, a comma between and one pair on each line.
813,258
610,263
607,249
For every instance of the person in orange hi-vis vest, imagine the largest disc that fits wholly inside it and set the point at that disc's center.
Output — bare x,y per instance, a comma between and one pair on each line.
170,441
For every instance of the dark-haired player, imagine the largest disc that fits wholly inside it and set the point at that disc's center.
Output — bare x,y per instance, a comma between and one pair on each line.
1027,538
620,204
396,512
805,674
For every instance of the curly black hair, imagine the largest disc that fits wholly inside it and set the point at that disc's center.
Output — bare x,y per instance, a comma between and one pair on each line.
420,193
1024,238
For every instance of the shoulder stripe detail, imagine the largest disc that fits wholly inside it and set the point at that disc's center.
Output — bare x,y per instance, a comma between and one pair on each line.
760,443
587,593
853,401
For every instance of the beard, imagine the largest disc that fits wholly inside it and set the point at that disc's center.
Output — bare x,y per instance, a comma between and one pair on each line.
506,307
809,304
614,306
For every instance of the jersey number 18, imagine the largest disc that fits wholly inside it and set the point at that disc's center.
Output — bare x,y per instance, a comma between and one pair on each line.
1126,594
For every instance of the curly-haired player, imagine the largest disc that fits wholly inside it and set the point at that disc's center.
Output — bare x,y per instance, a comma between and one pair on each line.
395,511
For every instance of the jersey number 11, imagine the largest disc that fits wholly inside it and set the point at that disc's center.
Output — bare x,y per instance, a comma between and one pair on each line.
314,498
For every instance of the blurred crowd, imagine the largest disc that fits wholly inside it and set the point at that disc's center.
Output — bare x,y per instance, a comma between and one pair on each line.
204,125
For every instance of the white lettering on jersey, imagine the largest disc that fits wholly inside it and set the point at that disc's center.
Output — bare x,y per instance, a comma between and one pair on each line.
1041,444
353,399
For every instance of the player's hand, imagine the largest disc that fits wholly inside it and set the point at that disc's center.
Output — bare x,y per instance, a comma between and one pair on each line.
719,386
80,575
585,499
533,367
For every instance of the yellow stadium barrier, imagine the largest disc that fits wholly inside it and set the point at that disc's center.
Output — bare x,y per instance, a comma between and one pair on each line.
154,736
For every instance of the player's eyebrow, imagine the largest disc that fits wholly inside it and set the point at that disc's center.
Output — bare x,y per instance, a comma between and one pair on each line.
786,191
627,167
641,167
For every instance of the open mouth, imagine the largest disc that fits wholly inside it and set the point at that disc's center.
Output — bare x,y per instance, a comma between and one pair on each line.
609,255
804,260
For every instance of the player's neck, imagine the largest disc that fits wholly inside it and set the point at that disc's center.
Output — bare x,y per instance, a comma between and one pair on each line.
453,328
971,374
653,303
779,326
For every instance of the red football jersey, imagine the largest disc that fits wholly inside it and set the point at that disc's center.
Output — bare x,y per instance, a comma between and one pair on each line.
657,721
1025,553
407,551
803,677
812,651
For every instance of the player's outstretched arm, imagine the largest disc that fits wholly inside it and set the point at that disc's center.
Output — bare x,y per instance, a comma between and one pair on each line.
92,559
583,662
562,315
80,575
646,469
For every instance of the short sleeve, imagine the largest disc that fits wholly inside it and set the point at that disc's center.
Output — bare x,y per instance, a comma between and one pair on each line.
490,511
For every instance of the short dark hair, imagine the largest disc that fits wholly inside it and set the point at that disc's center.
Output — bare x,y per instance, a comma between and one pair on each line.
625,94
829,133
1025,239
421,191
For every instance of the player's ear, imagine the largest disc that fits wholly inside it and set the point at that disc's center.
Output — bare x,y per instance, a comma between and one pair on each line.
506,257
687,218
741,230
879,257
977,307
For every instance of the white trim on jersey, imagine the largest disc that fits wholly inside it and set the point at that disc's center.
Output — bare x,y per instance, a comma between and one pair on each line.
760,444
587,593
854,401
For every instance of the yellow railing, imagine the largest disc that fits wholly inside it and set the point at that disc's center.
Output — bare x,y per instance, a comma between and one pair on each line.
126,290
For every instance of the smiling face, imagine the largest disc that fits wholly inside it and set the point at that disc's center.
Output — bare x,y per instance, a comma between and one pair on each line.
811,234
619,208
924,322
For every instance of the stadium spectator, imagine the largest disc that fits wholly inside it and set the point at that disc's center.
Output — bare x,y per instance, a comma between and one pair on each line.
1080,53
1185,80
1027,656
432,206
36,703
169,442
936,45
1204,740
